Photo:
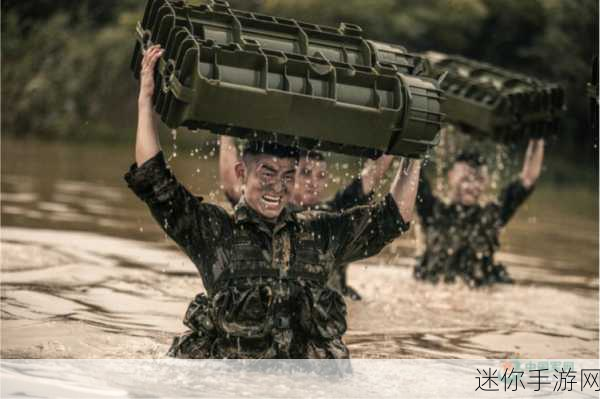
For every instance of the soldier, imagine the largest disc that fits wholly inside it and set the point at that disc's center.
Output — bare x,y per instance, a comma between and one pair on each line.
462,236
309,190
264,268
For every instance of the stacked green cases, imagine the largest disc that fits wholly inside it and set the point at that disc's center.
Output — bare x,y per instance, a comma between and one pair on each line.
251,75
492,102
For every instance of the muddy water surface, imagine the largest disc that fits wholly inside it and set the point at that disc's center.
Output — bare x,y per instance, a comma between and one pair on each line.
87,274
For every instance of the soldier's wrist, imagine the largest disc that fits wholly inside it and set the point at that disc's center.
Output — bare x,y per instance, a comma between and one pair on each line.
144,100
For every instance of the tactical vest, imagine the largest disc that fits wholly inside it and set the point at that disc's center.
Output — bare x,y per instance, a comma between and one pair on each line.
461,243
294,255
279,293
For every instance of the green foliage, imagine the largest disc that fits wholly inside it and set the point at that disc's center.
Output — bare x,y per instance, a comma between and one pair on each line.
65,79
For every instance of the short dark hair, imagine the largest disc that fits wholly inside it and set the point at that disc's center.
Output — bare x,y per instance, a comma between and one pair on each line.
256,147
471,158
311,154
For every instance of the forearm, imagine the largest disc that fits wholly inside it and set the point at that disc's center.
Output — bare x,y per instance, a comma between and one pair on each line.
147,142
532,164
404,187
374,171
363,231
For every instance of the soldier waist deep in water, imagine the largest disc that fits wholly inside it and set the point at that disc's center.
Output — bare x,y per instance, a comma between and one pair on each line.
311,178
462,236
264,268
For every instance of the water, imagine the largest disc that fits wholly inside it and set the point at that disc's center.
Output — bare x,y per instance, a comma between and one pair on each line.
356,378
86,273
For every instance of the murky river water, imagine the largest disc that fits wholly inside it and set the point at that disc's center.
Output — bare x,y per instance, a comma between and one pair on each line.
87,274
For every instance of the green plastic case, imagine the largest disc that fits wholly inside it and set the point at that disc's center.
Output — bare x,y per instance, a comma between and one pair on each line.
252,75
487,101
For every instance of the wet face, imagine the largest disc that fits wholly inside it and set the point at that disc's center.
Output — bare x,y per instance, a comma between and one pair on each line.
311,181
467,183
268,183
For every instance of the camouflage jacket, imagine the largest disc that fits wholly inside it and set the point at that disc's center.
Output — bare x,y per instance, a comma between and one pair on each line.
266,293
346,198
461,240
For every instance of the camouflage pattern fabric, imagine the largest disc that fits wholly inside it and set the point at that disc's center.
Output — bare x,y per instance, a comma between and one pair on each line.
346,198
461,240
266,293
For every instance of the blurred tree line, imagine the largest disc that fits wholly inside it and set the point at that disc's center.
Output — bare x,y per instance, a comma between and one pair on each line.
65,69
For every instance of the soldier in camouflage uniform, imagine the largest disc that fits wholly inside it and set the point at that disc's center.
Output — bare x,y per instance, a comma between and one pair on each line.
264,268
462,236
309,190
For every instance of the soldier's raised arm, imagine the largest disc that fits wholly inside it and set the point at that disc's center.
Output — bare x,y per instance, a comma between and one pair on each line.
195,226
514,194
373,172
532,164
360,189
147,143
405,186
363,231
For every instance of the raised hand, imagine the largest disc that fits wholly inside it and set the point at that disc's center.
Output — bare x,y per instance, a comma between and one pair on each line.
405,185
147,144
374,171
532,164
151,56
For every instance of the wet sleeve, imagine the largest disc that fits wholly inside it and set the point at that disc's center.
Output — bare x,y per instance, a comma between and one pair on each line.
363,231
192,224
425,199
511,198
349,196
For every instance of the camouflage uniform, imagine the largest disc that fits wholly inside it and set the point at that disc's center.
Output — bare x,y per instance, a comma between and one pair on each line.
351,195
266,293
461,240
346,198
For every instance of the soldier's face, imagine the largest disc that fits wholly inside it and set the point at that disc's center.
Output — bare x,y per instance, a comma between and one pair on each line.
268,184
467,183
311,181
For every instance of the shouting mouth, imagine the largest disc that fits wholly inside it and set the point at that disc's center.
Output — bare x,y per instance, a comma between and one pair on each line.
271,201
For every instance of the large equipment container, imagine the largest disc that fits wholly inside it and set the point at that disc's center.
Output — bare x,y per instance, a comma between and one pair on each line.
488,101
251,75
